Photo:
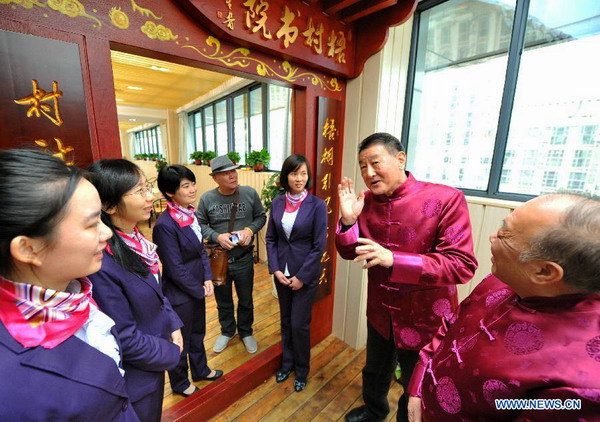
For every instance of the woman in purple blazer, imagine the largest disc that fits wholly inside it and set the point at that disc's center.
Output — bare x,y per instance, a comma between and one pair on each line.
59,358
187,277
296,240
128,287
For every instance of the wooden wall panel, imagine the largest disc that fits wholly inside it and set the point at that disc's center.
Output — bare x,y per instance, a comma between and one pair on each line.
486,218
476,212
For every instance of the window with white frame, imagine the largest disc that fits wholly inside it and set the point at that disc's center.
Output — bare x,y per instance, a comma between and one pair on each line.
255,117
502,97
148,141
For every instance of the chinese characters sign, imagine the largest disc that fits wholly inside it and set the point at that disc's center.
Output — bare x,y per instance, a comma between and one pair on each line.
328,146
287,25
36,101
42,104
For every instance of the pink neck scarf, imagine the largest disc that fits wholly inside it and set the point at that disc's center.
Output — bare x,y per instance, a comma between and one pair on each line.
143,247
293,202
182,216
38,316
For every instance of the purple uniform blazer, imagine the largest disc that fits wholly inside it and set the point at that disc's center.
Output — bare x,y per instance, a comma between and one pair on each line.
427,227
185,263
500,346
302,252
73,381
144,320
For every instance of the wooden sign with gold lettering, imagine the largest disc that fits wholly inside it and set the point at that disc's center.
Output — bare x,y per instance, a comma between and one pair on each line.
292,27
42,102
329,144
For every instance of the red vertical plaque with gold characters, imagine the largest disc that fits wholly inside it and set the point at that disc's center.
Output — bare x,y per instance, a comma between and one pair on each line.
42,101
328,153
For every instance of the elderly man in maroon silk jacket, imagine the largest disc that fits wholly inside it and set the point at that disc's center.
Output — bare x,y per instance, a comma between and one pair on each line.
415,239
530,331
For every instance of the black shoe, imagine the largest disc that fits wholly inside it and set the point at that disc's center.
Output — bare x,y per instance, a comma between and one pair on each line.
299,385
359,414
181,393
281,376
218,374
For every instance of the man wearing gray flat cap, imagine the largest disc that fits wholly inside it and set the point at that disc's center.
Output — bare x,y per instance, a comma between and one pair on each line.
214,213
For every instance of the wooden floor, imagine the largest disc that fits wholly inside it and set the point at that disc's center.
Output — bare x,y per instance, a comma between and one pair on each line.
266,327
334,383
334,388
266,331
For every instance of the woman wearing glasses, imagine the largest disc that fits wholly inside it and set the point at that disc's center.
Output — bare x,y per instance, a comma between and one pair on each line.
128,287
59,359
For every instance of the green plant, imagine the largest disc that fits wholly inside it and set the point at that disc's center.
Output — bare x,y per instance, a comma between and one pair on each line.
141,156
258,157
271,189
234,157
265,157
197,156
252,157
160,163
209,155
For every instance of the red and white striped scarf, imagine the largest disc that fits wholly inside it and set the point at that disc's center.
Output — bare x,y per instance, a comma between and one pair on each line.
38,316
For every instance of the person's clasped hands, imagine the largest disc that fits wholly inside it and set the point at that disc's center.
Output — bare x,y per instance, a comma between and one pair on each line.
293,283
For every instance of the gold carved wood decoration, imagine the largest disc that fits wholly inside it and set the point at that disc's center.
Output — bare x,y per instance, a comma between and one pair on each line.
143,11
242,58
119,18
70,8
27,4
129,15
335,36
158,32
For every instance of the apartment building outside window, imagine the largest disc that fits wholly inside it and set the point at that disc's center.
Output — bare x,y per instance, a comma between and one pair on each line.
502,95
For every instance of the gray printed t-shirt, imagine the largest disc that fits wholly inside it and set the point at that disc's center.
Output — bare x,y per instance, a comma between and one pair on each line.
214,212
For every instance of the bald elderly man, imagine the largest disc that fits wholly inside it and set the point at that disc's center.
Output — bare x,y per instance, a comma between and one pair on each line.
530,330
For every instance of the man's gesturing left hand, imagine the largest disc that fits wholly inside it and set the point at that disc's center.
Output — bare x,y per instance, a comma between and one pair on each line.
373,254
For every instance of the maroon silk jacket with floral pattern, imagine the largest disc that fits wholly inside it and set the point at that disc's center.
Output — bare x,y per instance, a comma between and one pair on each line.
499,346
427,226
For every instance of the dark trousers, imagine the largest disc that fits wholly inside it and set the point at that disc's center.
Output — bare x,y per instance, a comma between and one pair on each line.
193,316
296,313
241,274
382,356
149,407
